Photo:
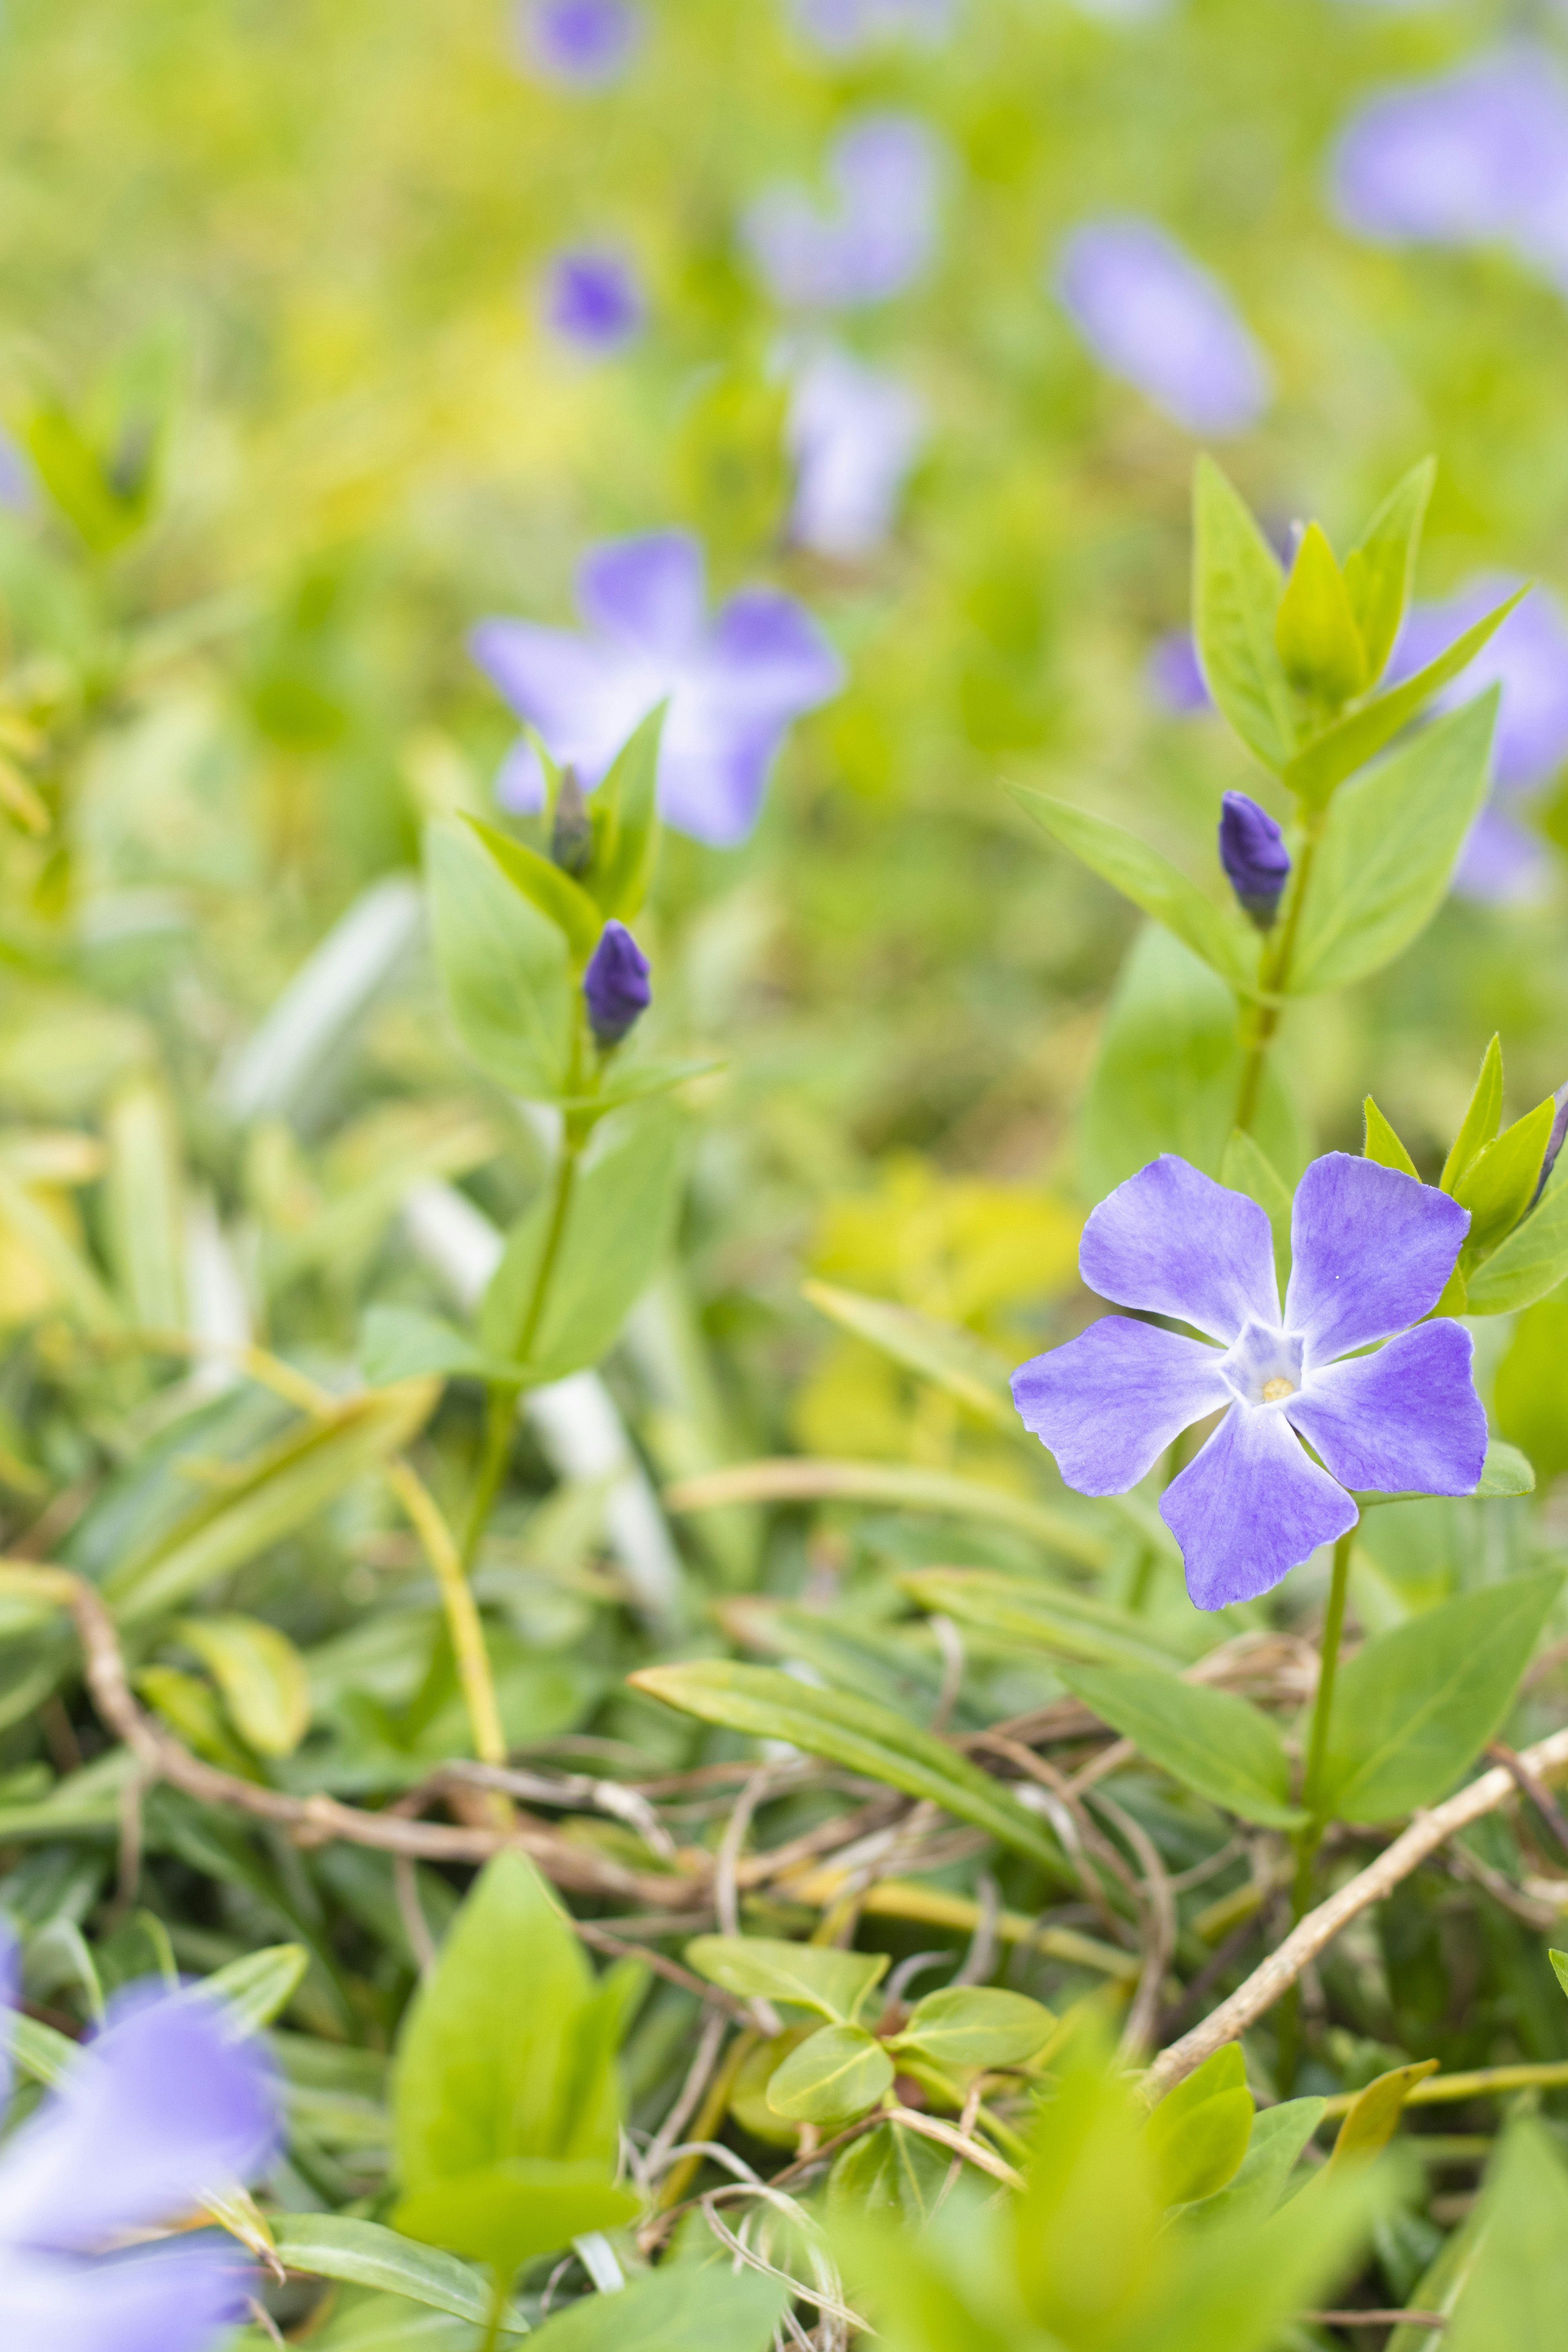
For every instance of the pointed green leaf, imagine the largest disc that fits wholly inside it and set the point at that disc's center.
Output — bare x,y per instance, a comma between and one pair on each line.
831,1983
1482,1117
1280,2137
1499,1183
1227,1750
943,1352
257,1988
503,965
1528,1264
512,2212
1512,2295
976,2025
625,814
1199,2134
1151,881
265,1683
1505,1472
1559,1967
685,2305
1381,573
834,2077
1374,2118
1383,1145
1028,1611
402,1343
1237,587
891,2173
1315,630
546,886
365,2254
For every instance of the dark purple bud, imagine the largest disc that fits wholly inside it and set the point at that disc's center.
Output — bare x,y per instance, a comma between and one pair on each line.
1252,851
616,985
571,833
1553,1143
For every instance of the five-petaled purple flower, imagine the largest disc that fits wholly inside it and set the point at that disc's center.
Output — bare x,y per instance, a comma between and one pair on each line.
586,43
616,985
854,434
1252,851
874,240
161,2110
843,29
1155,317
593,300
733,685
1373,1250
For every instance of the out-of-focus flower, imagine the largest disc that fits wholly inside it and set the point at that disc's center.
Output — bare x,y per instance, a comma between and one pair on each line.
586,43
733,685
1175,674
1477,157
615,984
875,239
1371,1253
161,2110
593,300
843,29
1502,861
854,434
1155,317
1123,12
1252,851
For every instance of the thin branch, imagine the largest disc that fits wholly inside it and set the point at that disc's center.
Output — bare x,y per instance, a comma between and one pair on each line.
973,2151
709,2042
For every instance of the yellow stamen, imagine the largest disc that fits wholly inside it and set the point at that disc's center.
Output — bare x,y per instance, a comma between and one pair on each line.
1276,1388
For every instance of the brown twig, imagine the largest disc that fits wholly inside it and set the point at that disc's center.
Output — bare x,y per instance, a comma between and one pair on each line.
1535,1788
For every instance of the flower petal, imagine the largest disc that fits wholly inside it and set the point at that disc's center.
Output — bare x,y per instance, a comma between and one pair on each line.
158,2109
1173,1241
1110,1403
584,698
1250,1508
646,593
713,770
1404,1420
1372,1250
767,659
174,2298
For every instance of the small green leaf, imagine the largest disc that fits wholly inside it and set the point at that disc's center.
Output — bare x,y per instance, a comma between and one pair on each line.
1315,628
626,823
834,2077
1381,573
1058,1619
1559,1967
504,967
976,2025
861,1736
832,1983
1388,849
364,2254
257,1988
403,1343
1151,881
1236,588
685,2305
1528,1264
1280,2137
1529,1396
1198,2134
264,1680
1483,1116
1374,2118
40,2050
548,887
941,1352
1383,1145
1505,1472
510,2213
1210,1740
889,2173
1499,1183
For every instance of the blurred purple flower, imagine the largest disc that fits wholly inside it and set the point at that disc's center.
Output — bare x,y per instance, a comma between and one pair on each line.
593,300
616,985
1175,675
734,685
854,434
1152,315
1477,157
842,28
878,236
161,2109
588,43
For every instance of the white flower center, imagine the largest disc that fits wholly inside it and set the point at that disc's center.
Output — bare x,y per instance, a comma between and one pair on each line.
1264,1364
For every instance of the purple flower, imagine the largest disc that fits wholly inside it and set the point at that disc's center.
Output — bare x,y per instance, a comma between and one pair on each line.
1373,1250
1252,851
161,2110
589,43
877,236
1477,157
1153,316
733,685
593,300
1175,675
854,434
843,29
616,985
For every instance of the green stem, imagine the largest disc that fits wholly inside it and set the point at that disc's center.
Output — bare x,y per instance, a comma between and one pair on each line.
1274,975
1312,1836
497,2313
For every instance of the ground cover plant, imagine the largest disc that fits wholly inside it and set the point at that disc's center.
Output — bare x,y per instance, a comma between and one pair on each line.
783,1055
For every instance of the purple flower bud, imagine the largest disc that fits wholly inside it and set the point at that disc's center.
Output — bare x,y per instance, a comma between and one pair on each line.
593,300
616,985
586,43
1252,851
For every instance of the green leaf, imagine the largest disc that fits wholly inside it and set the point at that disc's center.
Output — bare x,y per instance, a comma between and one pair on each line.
1348,744
1280,2137
1246,1168
834,2077
1315,629
976,2025
1499,1183
1198,2134
257,1988
1373,2119
145,1204
625,814
1514,2297
889,2172
1382,1144
678,2309
1380,574
1388,849
503,965
403,1343
1528,1264
510,2212
1559,1967
807,1478
1237,587
1483,1116
832,1983
1505,1472
545,885
1210,1740
618,1225
1415,1708
1151,881
364,2254
264,1680
40,2050
73,473
861,1736
943,1352
1529,1396
1056,1618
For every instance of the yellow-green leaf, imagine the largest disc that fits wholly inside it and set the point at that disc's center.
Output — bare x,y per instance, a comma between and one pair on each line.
1315,629
1374,2118
265,1683
1382,1144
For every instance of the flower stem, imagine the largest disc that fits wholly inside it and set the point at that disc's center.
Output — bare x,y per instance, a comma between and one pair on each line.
1310,1836
497,2311
1274,975
463,1624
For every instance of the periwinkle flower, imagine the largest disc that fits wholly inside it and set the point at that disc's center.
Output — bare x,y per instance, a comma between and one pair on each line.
844,28
586,43
1253,853
878,236
616,985
854,434
593,300
1373,1251
1153,316
1175,674
734,685
161,2109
